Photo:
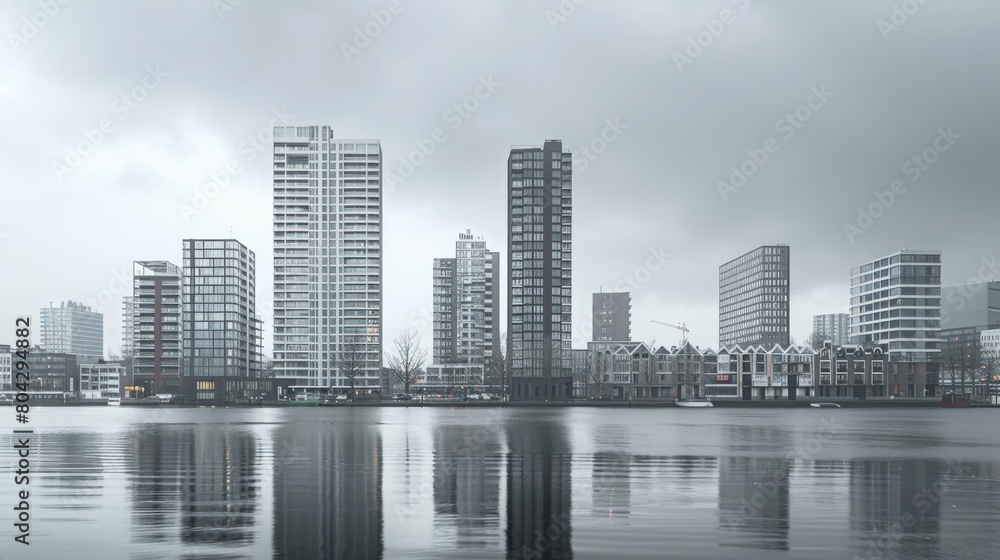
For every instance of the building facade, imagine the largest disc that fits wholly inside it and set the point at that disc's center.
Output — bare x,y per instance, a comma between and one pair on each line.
54,375
128,326
539,308
6,363
221,336
763,373
896,302
835,327
327,262
156,295
754,298
73,328
101,380
612,316
465,334
971,305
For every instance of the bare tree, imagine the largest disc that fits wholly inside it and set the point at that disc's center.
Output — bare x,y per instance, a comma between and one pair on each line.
991,367
352,360
498,366
407,359
598,368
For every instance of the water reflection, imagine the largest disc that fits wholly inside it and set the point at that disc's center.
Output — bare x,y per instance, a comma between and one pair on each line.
539,486
503,489
327,491
467,485
220,488
753,502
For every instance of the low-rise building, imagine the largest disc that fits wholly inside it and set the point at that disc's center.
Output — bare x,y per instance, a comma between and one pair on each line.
6,361
762,373
101,380
53,375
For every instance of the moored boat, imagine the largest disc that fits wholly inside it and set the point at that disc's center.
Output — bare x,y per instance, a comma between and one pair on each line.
824,405
694,403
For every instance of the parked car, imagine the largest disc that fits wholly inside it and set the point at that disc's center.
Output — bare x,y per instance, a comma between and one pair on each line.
340,398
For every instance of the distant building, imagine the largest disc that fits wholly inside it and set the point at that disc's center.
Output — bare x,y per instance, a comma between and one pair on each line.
6,361
73,328
466,290
835,327
157,342
101,380
970,305
612,316
327,195
128,326
896,302
539,294
54,375
754,298
221,329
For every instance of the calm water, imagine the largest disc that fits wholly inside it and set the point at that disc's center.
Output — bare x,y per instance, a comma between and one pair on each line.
508,483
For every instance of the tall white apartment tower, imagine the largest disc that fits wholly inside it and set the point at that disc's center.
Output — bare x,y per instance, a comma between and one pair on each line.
327,262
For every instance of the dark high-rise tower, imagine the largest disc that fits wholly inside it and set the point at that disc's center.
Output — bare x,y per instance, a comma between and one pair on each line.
753,298
539,243
612,317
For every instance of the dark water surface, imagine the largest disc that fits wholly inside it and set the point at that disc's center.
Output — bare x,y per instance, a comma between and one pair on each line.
118,482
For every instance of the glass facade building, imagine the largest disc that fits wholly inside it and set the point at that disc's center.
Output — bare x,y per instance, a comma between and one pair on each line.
754,298
896,303
73,328
327,262
539,318
221,339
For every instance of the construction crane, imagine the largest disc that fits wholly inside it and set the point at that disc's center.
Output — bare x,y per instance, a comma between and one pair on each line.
680,327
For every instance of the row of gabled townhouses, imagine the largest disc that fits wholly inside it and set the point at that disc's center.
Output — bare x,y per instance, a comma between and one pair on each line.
635,370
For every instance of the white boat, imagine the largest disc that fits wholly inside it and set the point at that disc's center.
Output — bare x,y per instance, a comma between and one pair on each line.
114,401
824,405
694,403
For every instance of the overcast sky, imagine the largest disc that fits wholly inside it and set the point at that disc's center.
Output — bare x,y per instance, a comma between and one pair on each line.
838,96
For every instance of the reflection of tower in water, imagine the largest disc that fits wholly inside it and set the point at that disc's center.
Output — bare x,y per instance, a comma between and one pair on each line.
611,476
327,492
539,470
896,505
467,484
220,490
158,454
753,502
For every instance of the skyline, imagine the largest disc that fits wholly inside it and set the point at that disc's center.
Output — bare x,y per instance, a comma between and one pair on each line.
659,167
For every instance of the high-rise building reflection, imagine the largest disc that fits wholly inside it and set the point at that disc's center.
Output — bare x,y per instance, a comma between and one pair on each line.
611,476
896,506
753,502
220,488
467,484
158,456
539,503
327,491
